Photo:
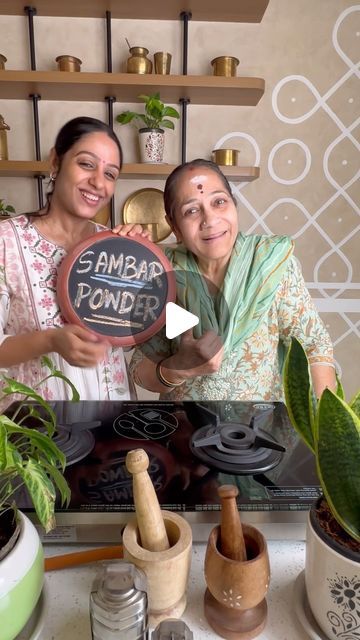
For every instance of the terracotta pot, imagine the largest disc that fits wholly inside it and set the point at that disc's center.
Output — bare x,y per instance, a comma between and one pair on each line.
332,579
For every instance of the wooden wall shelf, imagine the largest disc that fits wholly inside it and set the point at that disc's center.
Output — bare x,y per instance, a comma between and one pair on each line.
33,168
125,87
211,10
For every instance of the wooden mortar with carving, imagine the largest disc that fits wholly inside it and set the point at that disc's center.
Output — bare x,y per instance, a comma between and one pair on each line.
237,574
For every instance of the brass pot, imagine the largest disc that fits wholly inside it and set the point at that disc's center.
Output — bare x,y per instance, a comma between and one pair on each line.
68,63
226,157
2,61
138,62
225,66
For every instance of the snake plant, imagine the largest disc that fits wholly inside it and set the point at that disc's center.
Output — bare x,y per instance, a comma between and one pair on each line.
330,427
28,456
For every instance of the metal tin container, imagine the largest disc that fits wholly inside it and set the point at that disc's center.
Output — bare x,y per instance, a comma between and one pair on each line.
68,63
225,157
225,65
172,628
118,603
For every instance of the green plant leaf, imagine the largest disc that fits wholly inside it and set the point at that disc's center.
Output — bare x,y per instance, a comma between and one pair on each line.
60,482
10,208
3,447
355,404
298,392
339,388
42,493
338,456
167,124
126,117
170,112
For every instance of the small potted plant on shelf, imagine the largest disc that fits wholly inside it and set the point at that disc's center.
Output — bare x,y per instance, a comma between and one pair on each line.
29,458
330,427
5,209
155,118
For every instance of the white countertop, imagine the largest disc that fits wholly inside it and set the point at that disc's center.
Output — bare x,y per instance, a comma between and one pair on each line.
68,590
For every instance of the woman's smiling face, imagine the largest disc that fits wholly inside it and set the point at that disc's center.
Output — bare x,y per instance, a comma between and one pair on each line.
87,175
205,216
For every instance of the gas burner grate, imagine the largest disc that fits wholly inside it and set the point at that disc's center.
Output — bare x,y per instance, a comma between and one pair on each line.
236,448
75,444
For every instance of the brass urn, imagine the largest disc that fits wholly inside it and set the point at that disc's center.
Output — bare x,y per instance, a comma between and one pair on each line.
138,62
3,139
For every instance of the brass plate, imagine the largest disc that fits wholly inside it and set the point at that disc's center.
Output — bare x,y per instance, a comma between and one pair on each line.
146,207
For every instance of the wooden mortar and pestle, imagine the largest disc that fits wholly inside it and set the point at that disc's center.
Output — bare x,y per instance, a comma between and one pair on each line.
159,542
237,574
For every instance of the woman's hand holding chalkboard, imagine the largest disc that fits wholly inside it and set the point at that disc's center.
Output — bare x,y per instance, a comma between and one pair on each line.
131,230
196,356
79,347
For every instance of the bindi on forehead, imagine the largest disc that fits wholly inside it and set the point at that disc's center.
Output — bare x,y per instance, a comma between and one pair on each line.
199,186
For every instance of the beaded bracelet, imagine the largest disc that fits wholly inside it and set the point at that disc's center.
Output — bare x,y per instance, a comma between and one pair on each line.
163,380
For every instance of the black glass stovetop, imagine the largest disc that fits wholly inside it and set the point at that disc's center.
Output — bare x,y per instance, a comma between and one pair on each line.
96,436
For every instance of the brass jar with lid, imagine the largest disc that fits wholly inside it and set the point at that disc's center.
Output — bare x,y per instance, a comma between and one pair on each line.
138,62
3,139
2,62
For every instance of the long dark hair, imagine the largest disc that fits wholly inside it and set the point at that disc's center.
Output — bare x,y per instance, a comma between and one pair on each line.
173,178
70,133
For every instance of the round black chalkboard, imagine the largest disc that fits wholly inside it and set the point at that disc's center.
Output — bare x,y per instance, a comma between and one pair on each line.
117,287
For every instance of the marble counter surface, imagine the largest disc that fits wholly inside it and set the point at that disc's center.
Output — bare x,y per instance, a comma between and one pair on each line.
67,616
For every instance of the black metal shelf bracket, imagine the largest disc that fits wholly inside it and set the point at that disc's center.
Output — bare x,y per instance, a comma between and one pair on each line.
184,104
185,16
108,42
35,100
110,102
31,12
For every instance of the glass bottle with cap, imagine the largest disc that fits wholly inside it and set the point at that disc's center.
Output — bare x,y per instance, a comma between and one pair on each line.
118,603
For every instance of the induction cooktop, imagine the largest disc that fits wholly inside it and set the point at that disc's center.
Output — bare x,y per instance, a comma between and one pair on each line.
193,447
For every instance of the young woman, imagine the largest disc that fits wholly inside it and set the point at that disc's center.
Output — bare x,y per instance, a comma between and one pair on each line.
249,295
85,164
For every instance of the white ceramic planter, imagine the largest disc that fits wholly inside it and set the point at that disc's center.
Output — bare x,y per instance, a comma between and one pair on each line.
151,143
21,581
333,587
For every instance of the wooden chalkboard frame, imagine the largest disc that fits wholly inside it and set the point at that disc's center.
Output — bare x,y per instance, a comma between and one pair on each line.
66,304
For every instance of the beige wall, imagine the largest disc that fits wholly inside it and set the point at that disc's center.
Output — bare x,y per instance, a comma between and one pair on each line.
304,133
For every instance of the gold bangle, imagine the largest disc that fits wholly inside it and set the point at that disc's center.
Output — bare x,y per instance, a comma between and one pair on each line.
163,380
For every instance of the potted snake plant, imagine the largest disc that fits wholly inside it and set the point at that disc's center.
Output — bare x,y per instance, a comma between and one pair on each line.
151,126
29,459
330,427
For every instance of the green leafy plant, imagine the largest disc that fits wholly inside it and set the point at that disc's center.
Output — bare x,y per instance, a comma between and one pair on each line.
28,454
155,117
6,209
330,427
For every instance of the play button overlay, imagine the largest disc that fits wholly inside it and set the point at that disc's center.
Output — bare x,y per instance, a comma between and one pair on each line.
178,320
199,306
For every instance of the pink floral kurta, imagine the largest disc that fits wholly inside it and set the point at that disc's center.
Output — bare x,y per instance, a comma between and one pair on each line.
28,274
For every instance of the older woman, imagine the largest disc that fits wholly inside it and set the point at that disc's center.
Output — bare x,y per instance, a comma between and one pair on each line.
249,295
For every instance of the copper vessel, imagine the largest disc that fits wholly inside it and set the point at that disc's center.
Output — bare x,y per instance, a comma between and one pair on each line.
68,63
2,61
225,157
225,66
138,62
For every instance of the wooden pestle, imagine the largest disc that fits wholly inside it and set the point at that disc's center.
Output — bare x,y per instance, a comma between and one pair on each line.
232,543
150,522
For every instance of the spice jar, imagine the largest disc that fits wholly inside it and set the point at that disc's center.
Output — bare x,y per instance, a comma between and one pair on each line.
3,139
138,62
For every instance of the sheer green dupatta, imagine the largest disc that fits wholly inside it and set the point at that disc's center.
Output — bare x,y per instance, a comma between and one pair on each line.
255,270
